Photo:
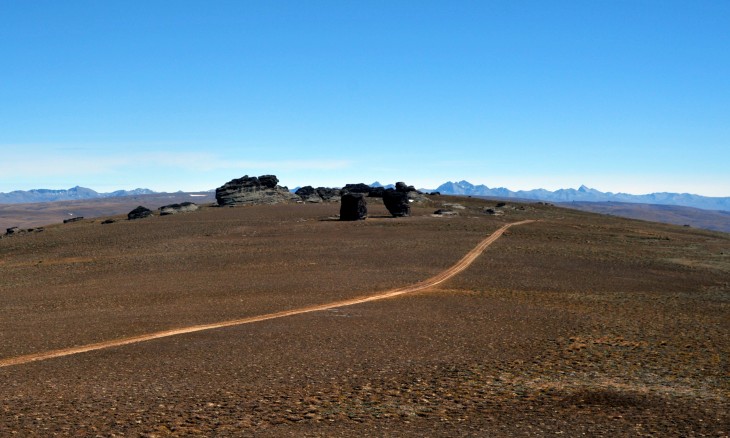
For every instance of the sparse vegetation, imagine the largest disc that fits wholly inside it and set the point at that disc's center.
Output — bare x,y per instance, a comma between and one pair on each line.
576,324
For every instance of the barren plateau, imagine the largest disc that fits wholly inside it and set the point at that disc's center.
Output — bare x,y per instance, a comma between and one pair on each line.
574,324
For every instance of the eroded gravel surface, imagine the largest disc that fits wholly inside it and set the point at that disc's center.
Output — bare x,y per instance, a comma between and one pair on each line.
576,325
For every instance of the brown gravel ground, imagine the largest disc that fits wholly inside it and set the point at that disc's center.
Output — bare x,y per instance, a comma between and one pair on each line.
581,325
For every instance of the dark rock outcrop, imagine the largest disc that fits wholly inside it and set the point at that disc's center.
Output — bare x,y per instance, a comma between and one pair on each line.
184,207
413,194
13,230
356,188
308,194
253,190
108,221
400,186
72,219
139,213
376,192
269,181
329,194
320,194
353,207
397,203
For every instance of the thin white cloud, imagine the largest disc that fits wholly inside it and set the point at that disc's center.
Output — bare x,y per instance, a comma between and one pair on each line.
72,163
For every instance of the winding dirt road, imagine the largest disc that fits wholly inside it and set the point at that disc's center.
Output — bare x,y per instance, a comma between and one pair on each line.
433,281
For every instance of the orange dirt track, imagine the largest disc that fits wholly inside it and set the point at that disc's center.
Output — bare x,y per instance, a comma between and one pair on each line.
460,266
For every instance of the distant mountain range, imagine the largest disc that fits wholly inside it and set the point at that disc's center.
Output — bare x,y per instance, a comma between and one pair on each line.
74,193
582,194
585,194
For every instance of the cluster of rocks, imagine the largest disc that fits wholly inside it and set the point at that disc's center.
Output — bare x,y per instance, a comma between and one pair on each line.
320,194
14,231
250,190
72,219
397,200
143,212
265,189
500,208
379,192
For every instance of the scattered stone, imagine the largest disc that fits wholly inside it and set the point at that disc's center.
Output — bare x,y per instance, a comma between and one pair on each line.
252,190
353,207
442,212
501,204
435,193
397,202
493,212
72,219
139,213
184,207
108,221
454,206
13,231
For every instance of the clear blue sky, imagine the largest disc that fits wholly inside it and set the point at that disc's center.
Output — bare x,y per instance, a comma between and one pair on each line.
629,96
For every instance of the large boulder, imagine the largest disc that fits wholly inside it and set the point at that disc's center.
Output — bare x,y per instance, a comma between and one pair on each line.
139,213
397,203
184,207
253,190
353,207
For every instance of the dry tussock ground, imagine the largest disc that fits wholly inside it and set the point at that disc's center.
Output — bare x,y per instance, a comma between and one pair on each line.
577,324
